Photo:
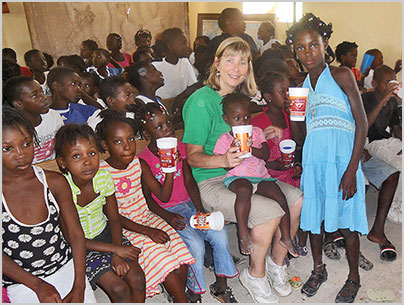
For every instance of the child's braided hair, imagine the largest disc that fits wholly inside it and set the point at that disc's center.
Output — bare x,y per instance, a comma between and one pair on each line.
143,112
111,116
310,21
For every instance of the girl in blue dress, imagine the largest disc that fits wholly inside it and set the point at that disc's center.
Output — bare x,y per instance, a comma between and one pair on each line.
332,180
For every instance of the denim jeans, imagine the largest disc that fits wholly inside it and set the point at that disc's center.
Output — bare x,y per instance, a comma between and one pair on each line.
195,241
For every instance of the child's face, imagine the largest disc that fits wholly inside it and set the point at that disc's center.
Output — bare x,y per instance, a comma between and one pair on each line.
310,49
378,60
125,95
158,126
279,95
70,88
88,85
180,47
18,150
154,76
349,59
38,62
146,56
31,99
238,114
120,144
99,59
81,159
113,43
293,68
143,41
85,51
381,84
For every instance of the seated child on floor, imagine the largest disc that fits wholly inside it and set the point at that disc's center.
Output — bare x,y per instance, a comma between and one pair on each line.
164,257
251,175
112,262
43,243
25,94
175,197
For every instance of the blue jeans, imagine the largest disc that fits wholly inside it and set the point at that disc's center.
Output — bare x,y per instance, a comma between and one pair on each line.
194,239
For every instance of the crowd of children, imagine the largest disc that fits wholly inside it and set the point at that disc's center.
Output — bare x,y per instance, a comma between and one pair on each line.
122,224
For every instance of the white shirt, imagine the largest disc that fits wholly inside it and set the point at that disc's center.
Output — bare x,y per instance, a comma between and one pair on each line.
268,45
367,82
46,131
176,77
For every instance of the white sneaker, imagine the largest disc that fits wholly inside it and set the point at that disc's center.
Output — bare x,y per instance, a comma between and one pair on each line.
277,277
258,288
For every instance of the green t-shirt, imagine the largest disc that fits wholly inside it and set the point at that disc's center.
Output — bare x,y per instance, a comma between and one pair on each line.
204,124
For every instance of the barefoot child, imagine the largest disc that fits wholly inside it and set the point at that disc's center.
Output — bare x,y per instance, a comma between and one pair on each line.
43,243
251,175
175,197
164,257
111,259
332,180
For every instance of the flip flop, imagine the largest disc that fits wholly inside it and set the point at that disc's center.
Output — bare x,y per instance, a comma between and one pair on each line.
380,295
388,252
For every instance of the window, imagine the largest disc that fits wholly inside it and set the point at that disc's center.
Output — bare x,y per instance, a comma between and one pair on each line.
282,10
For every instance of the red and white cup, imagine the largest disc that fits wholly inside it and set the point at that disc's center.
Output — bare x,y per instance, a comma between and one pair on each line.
243,132
288,148
298,97
398,91
168,154
207,221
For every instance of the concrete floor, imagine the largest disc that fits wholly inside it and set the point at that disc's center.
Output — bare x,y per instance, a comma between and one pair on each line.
384,275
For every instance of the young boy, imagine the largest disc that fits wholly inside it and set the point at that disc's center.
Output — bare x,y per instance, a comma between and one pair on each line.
25,94
65,84
36,62
177,71
346,54
90,86
10,55
100,59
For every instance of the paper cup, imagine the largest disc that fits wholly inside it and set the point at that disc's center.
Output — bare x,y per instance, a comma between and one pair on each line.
243,132
366,62
399,89
168,154
298,97
207,221
287,148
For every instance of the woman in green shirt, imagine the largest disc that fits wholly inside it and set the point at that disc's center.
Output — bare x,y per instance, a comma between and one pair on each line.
232,71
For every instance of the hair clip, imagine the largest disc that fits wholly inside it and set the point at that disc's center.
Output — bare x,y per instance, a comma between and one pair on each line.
142,71
143,121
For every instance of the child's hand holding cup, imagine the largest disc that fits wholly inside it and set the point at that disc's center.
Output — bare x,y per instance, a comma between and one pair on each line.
298,102
167,150
207,221
243,133
287,148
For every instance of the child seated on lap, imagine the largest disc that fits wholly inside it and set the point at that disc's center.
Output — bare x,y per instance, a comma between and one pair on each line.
251,175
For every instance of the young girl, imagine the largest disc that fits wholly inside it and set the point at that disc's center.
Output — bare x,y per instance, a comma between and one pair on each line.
100,59
346,54
332,180
144,76
274,88
43,243
251,175
114,44
164,257
111,260
175,197
117,93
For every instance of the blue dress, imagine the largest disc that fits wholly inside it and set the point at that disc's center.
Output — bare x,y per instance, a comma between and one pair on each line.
326,154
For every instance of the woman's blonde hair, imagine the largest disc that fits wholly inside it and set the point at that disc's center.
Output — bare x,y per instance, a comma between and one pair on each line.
230,47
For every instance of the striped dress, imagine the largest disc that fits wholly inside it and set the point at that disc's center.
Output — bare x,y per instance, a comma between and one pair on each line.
156,260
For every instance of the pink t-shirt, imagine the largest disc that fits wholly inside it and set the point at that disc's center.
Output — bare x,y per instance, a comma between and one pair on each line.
126,62
250,167
180,193
263,121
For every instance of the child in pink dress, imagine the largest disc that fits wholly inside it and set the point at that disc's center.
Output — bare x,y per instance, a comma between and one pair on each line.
275,92
251,175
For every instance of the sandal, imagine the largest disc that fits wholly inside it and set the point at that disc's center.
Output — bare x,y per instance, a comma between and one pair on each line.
388,252
225,296
364,263
193,297
301,250
317,278
331,251
351,289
